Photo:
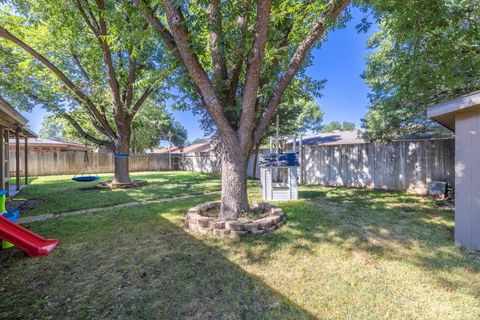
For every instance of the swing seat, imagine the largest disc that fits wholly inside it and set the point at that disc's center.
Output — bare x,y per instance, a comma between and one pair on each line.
85,178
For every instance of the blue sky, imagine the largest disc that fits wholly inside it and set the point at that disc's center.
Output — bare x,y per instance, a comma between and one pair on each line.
341,61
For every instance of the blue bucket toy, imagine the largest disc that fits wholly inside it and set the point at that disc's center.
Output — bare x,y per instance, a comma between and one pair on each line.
11,215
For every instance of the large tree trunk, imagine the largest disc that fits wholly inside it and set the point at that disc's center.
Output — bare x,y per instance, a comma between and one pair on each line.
234,183
122,146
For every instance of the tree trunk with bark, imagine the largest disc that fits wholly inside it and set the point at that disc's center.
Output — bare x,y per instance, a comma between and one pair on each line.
234,183
122,149
122,174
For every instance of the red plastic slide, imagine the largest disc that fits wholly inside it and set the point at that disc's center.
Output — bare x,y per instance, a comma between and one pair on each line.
31,243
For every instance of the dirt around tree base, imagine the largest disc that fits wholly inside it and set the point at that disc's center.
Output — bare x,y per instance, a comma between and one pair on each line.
118,185
23,205
263,218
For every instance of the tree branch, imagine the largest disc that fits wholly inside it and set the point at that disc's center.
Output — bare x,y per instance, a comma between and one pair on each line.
107,58
331,13
81,68
88,17
132,69
238,55
283,42
70,85
252,78
83,133
140,102
149,15
219,63
177,24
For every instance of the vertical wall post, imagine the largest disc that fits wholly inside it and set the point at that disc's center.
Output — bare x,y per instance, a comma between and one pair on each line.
17,159
300,158
277,139
6,161
2,159
26,161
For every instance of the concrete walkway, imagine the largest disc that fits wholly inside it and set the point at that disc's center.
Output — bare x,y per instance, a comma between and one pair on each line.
48,216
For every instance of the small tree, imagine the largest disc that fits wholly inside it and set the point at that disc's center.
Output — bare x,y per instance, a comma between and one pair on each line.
254,51
83,55
336,125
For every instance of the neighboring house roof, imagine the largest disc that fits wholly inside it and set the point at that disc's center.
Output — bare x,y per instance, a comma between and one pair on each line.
333,138
198,147
166,150
356,137
51,143
194,148
425,136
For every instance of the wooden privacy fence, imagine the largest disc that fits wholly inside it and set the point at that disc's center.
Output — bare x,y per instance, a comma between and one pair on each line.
210,163
201,162
73,162
403,165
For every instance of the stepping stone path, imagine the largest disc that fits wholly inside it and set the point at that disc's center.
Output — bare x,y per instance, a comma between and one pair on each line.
48,216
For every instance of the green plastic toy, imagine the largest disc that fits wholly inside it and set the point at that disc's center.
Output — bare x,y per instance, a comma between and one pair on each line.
5,244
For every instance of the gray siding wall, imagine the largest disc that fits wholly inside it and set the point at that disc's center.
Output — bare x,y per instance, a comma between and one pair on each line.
467,179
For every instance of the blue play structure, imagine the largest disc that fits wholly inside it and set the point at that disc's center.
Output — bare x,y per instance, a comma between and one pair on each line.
279,160
11,215
12,234
86,174
86,178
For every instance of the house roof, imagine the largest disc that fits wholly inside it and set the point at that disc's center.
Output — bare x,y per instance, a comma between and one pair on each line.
444,113
13,119
198,147
333,138
166,150
194,148
43,142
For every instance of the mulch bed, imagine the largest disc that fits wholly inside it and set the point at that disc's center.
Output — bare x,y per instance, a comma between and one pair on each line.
117,185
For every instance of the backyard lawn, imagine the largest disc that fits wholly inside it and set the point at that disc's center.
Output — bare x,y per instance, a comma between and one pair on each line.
60,194
343,254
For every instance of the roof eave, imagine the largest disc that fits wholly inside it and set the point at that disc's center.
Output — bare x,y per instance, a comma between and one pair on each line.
444,113
12,113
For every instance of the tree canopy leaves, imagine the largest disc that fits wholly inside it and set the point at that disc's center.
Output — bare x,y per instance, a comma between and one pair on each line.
112,59
424,53
336,125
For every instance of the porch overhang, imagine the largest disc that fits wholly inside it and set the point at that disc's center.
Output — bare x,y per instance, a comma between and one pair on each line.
444,113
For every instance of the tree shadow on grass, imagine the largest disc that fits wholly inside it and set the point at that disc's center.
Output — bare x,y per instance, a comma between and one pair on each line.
63,195
118,265
371,222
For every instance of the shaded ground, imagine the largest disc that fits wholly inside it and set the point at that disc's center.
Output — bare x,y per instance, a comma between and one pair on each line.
60,194
344,254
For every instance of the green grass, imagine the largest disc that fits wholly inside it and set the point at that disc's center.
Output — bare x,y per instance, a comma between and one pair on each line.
60,194
344,254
